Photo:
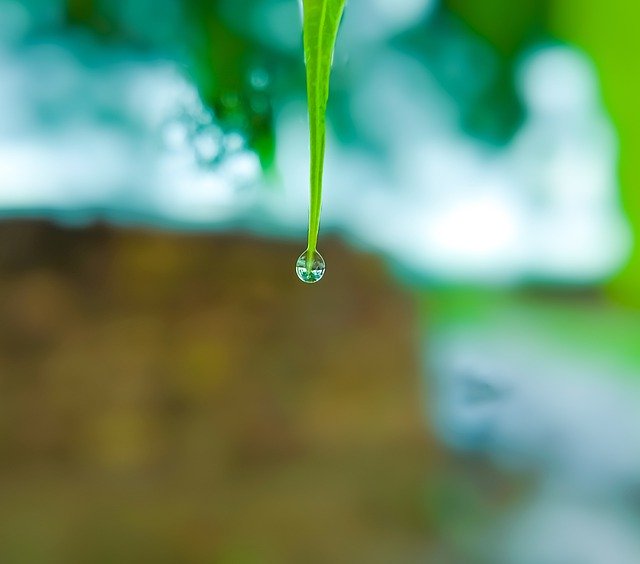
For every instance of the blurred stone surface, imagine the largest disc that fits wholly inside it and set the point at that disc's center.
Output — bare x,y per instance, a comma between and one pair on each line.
184,398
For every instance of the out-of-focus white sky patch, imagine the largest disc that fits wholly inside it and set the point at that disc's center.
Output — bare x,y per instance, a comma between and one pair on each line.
544,93
494,225
37,174
187,194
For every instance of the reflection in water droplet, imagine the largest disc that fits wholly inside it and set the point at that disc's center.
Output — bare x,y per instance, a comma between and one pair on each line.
310,268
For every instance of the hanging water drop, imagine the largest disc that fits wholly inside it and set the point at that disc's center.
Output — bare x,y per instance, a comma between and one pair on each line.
310,267
321,19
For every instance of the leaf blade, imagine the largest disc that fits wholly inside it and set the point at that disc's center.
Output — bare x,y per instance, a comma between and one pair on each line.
321,19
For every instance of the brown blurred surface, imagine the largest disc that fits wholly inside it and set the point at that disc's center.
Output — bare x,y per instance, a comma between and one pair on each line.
183,398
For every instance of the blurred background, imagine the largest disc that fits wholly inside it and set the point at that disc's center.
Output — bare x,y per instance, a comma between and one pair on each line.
463,386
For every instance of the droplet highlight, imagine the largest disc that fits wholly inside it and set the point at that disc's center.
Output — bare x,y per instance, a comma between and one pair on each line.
310,267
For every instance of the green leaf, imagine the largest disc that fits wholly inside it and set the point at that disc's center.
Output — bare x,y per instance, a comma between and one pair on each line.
321,19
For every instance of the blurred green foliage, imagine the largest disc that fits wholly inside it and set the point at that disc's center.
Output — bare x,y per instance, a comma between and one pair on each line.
510,28
222,61
556,321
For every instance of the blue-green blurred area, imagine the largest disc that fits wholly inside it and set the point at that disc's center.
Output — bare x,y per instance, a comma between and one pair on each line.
461,388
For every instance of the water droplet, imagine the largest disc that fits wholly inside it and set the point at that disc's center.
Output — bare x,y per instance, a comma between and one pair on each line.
310,269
